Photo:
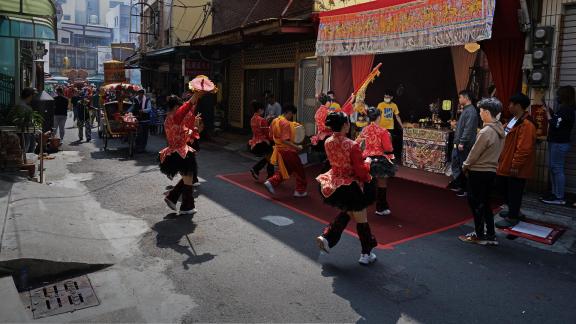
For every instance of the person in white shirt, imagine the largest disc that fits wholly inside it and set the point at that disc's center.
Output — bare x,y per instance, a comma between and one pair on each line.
273,109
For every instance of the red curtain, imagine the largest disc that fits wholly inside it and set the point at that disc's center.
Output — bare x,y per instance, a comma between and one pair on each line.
341,78
361,67
462,61
505,52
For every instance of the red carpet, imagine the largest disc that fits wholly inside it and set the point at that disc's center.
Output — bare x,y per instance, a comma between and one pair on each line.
417,209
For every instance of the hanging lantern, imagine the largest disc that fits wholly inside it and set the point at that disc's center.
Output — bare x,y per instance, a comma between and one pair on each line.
472,47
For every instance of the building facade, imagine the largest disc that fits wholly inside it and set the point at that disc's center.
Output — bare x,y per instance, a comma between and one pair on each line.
82,28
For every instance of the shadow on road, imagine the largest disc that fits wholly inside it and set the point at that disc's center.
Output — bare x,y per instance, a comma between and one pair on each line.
172,233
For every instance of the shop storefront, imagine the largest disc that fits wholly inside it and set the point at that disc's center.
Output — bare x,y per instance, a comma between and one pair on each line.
268,56
429,50
21,23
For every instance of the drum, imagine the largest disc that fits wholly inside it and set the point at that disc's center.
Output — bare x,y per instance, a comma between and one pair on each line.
298,132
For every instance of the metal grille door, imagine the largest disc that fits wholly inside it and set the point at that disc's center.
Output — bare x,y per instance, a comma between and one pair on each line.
308,103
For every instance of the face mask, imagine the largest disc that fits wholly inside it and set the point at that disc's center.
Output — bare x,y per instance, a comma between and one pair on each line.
387,100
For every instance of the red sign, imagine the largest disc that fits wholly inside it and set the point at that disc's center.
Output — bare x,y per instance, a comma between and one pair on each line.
539,115
193,68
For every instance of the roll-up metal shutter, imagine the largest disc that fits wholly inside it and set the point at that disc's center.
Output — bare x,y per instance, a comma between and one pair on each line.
567,76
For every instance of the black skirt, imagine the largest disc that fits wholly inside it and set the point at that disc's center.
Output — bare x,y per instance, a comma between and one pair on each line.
174,164
261,149
380,167
319,147
351,197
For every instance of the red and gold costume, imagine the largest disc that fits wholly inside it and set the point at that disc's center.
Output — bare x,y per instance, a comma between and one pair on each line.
260,130
322,132
377,140
285,156
176,157
347,164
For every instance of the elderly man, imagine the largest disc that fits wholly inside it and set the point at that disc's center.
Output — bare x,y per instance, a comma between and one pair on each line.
141,108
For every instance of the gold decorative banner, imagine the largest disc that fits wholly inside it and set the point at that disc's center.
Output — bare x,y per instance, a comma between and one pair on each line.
425,149
408,26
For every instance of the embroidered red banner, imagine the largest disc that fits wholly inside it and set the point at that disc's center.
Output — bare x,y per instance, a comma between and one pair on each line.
400,26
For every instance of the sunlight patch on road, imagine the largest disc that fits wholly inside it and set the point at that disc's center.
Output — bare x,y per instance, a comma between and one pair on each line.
278,220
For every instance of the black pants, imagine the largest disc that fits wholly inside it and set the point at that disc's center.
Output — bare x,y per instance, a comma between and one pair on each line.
514,192
479,187
264,163
142,137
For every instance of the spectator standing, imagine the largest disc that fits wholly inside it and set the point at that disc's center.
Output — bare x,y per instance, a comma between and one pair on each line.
273,109
518,157
83,119
60,112
24,107
141,108
480,167
561,122
464,138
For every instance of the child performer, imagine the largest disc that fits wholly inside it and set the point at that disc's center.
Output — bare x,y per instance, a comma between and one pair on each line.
378,147
322,131
179,157
260,142
347,186
285,154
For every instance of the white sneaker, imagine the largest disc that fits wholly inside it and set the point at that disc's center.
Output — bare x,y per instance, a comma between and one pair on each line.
367,258
300,194
196,184
269,187
188,212
384,212
322,244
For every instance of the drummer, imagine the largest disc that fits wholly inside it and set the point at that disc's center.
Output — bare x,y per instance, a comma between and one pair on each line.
285,154
141,108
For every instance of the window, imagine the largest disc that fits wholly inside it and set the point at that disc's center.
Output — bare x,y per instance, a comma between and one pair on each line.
116,21
65,40
66,17
124,22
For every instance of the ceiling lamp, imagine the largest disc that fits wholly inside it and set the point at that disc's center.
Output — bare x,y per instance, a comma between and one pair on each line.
472,47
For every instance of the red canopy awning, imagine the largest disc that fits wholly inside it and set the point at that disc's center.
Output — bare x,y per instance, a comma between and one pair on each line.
388,26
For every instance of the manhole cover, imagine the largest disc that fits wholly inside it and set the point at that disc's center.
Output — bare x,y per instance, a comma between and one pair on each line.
62,297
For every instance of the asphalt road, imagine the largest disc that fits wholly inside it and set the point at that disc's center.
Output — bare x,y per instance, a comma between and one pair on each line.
233,265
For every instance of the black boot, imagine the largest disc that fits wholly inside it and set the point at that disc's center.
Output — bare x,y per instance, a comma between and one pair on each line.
269,169
188,206
172,197
382,207
367,240
333,232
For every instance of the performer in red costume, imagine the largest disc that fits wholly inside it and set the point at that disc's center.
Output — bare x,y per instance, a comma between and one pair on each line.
377,143
178,157
347,186
260,143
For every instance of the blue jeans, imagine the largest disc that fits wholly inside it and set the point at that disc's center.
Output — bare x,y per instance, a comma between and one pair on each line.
557,157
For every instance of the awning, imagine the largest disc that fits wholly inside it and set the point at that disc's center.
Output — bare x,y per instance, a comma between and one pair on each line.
265,27
32,19
389,26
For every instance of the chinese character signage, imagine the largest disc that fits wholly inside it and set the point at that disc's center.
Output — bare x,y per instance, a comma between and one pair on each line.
193,68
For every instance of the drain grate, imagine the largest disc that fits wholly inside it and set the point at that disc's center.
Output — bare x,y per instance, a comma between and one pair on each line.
62,297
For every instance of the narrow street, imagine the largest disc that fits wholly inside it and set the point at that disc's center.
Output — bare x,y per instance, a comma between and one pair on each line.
230,264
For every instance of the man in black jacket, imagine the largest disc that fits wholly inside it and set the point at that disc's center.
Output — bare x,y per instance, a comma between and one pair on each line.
561,123
464,138
60,112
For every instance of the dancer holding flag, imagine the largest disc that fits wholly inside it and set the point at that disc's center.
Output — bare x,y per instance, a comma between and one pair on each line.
347,186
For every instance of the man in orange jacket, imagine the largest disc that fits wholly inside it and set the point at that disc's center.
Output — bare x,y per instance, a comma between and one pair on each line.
517,160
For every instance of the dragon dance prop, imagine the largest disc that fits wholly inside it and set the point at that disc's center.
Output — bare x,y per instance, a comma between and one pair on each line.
359,95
